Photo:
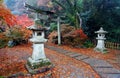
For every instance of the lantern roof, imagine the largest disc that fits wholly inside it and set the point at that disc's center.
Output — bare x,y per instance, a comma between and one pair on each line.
101,31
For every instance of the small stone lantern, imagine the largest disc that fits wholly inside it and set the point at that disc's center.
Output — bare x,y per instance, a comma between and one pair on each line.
100,41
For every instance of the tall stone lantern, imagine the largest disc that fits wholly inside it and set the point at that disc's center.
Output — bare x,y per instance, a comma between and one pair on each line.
100,41
38,40
38,61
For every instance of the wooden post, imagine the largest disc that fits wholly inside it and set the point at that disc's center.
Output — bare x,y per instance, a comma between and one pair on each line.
58,29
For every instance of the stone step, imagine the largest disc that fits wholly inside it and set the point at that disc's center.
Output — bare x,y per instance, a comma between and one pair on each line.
75,55
97,62
82,57
110,75
107,70
65,51
69,53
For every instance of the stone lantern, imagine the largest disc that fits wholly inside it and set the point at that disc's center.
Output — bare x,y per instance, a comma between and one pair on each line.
100,41
38,41
38,61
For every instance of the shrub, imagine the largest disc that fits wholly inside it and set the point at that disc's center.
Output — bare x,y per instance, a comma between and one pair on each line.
14,33
3,40
53,27
70,36
74,38
88,44
17,35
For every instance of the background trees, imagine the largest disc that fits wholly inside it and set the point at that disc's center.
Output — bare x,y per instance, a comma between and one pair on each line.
71,10
104,13
94,14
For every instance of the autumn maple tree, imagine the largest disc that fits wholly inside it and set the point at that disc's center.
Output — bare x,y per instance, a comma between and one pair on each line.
6,15
24,20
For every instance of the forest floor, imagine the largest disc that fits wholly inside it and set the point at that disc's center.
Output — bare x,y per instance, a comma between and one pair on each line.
13,61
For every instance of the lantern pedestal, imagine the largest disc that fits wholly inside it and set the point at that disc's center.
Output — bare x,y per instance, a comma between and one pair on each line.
100,46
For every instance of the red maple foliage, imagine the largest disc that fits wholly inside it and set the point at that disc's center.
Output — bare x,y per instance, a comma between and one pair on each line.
12,20
24,20
6,14
81,34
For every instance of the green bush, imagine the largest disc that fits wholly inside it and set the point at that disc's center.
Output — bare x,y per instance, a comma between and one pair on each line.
2,77
3,42
53,26
14,33
88,44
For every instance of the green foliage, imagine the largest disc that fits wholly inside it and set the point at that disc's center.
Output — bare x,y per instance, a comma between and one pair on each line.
104,51
71,9
13,36
2,77
104,13
14,33
37,22
40,64
3,42
1,30
88,44
53,27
